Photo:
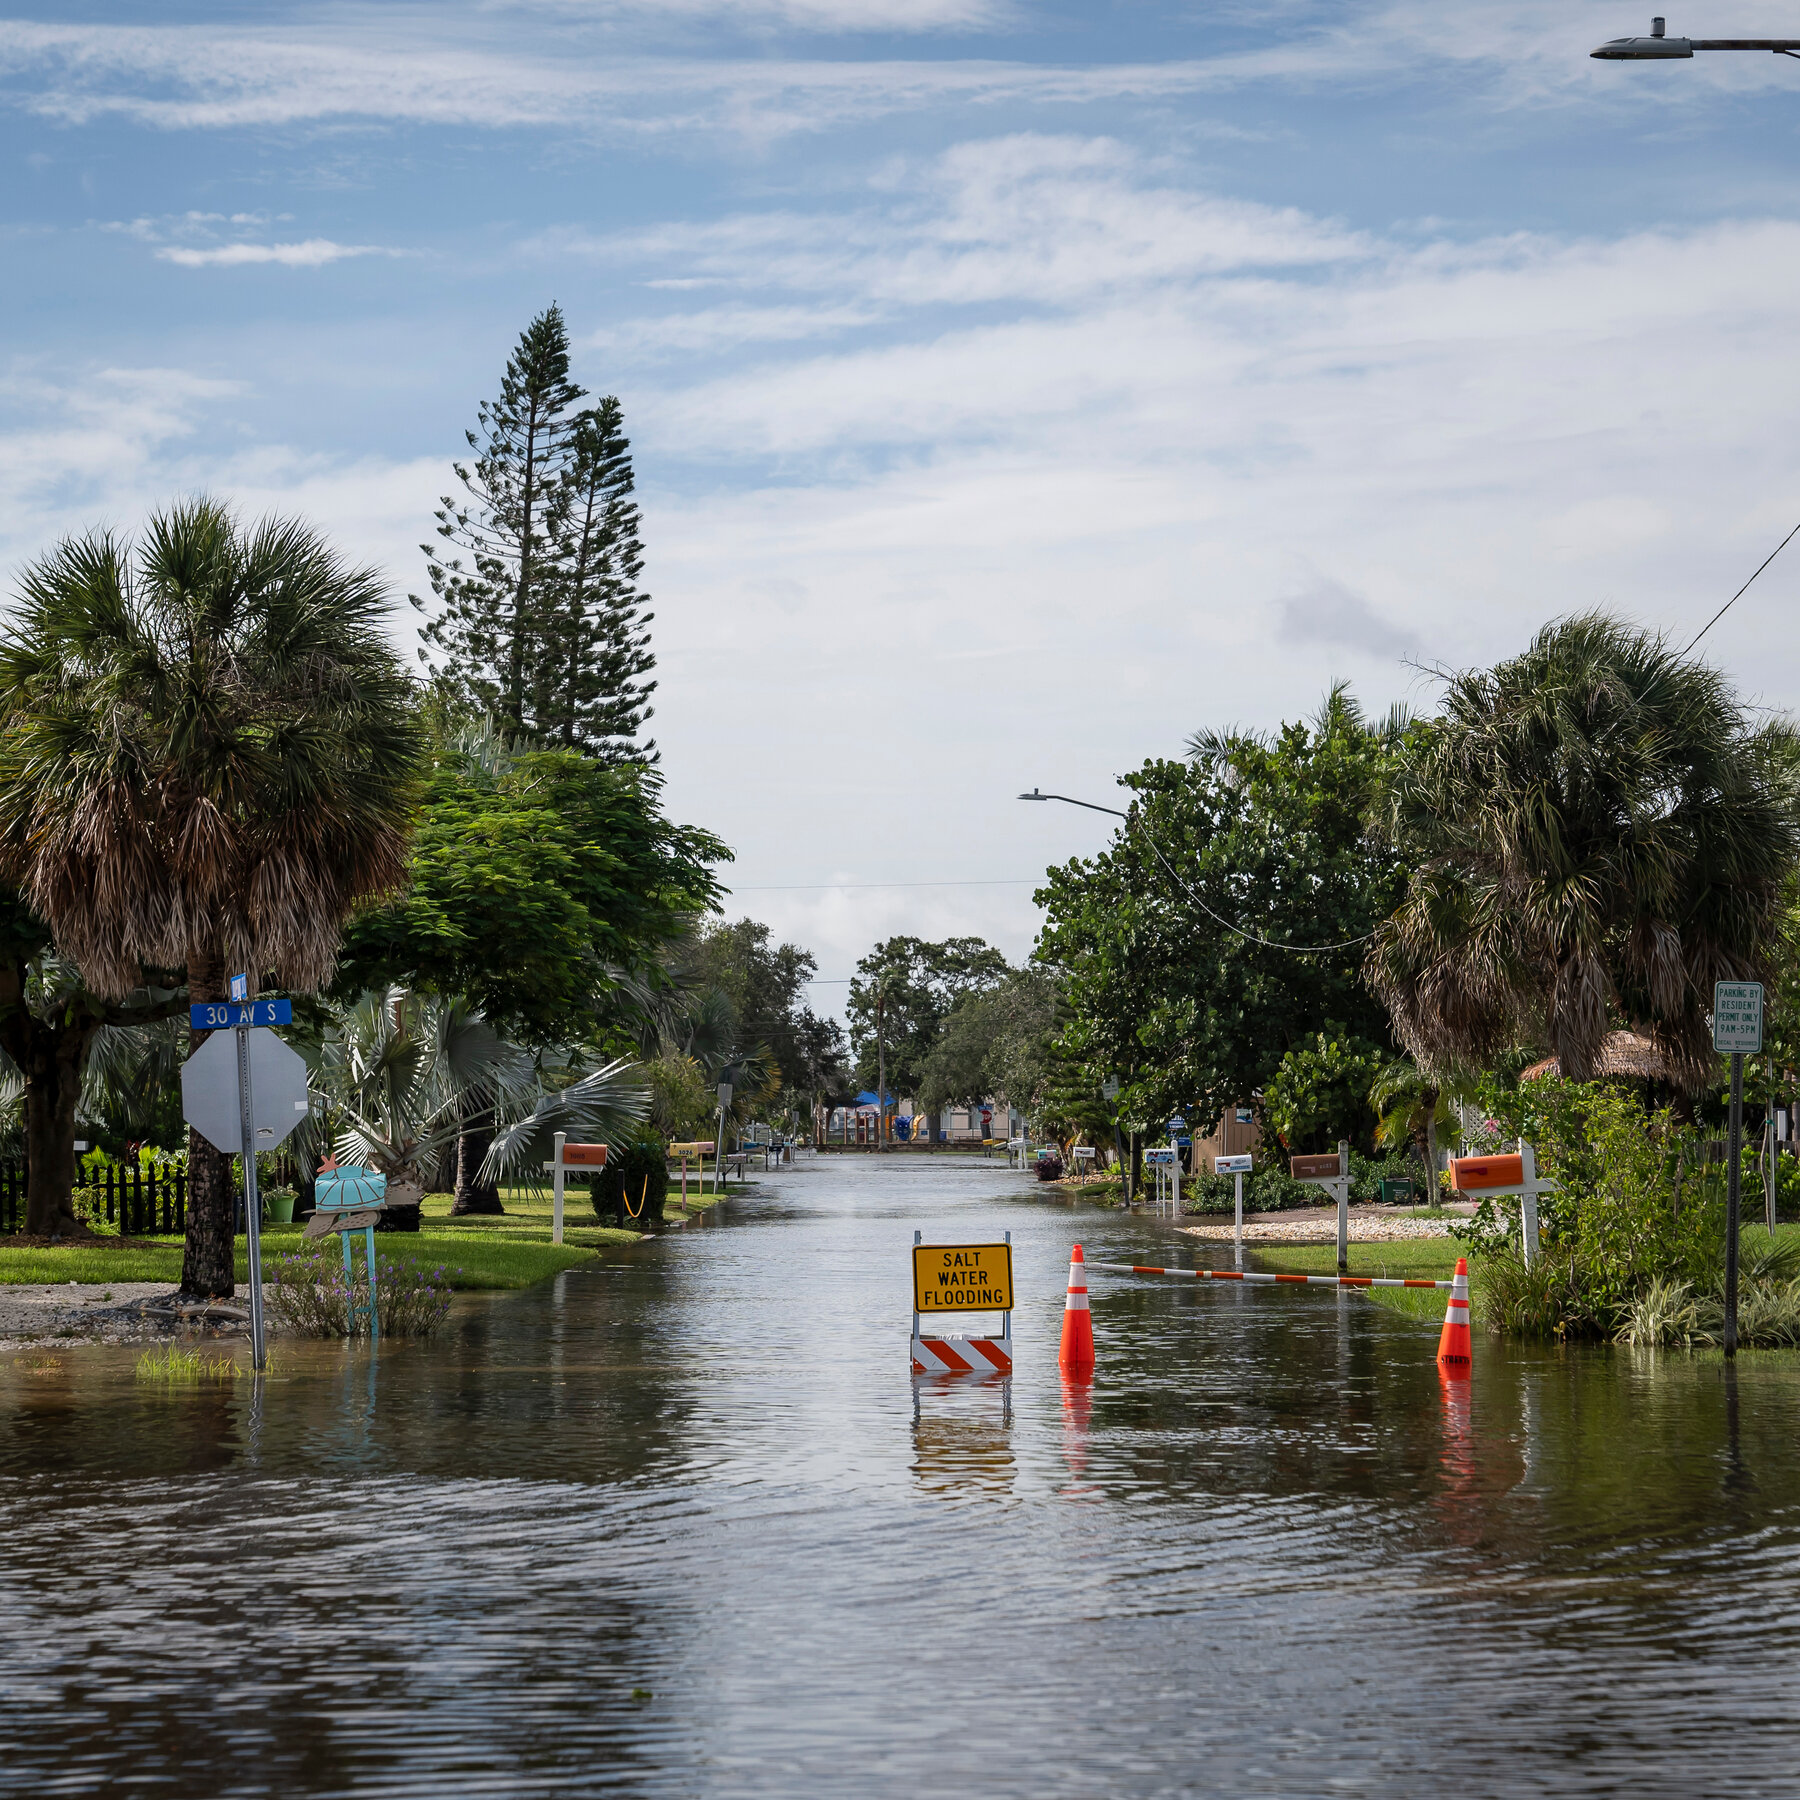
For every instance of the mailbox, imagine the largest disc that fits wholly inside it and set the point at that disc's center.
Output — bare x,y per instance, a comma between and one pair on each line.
1476,1174
584,1156
1315,1168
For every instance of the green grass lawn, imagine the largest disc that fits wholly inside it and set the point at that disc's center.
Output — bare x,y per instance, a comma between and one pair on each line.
512,1250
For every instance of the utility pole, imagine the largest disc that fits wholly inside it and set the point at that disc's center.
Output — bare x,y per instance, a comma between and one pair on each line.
880,1073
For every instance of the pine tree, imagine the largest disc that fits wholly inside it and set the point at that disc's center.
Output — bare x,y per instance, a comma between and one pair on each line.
499,608
589,686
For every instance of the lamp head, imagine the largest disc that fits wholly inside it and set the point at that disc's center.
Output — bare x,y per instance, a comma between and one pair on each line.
1034,795
1655,48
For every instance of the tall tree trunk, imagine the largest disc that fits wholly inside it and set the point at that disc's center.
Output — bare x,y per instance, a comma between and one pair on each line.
51,1057
473,1195
208,1252
1431,1168
52,1088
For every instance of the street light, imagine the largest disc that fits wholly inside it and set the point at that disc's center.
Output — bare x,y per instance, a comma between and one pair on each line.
1659,48
1064,798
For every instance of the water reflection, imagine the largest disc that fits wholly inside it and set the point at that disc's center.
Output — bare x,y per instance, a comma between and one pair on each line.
962,1434
681,1524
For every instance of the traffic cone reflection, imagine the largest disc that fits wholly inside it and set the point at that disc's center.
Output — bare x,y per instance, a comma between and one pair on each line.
1077,1358
1453,1341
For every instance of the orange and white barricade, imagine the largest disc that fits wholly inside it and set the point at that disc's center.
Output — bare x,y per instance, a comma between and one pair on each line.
952,1279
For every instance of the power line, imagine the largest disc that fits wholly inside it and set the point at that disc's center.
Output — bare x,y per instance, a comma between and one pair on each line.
807,887
1735,598
1249,937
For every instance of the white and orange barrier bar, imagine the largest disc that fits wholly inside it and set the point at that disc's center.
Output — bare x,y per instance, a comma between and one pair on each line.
961,1355
1355,1281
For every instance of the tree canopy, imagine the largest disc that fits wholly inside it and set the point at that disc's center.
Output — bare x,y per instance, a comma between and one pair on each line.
1181,944
540,618
917,984
539,882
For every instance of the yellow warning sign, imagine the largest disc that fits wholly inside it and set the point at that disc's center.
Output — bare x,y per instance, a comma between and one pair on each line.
962,1278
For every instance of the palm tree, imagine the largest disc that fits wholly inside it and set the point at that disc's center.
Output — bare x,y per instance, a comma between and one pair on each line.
1597,833
207,757
397,1072
1409,1106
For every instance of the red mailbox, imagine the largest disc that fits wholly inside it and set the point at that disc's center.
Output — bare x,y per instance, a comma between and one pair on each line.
1474,1174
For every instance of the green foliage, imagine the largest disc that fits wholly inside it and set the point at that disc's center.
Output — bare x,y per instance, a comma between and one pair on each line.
764,986
915,985
1271,839
682,1099
532,886
1550,1299
542,622
634,1181
1320,1094
994,1041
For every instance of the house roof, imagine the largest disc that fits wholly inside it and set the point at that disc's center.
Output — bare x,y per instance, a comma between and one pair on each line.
1622,1053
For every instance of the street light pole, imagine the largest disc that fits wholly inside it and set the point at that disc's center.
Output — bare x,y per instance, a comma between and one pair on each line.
1659,47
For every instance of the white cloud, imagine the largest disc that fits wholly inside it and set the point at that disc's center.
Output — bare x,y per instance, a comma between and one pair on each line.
846,16
380,63
310,253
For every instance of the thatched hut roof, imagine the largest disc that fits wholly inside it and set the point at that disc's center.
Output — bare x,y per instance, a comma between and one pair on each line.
1623,1053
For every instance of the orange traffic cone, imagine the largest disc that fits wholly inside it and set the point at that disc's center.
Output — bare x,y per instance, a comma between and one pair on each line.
1453,1340
1077,1356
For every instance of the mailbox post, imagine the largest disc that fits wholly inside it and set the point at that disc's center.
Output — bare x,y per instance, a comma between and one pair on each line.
1502,1175
1237,1167
586,1157
1333,1174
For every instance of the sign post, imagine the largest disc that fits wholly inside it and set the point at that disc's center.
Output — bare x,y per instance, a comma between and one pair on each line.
1177,1126
243,1097
1237,1167
1737,1031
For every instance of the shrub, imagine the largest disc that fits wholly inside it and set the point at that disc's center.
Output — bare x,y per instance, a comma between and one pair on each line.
312,1297
1269,1188
636,1178
1548,1300
1665,1313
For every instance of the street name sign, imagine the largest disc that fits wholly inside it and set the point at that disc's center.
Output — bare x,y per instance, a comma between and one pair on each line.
209,1091
223,1015
1738,1017
962,1278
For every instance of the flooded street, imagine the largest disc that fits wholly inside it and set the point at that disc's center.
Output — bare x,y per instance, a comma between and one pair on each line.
669,1526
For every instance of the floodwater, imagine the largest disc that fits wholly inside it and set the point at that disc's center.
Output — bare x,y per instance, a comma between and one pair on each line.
672,1525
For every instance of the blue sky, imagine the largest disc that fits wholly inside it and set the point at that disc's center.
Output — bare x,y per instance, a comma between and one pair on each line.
1014,387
